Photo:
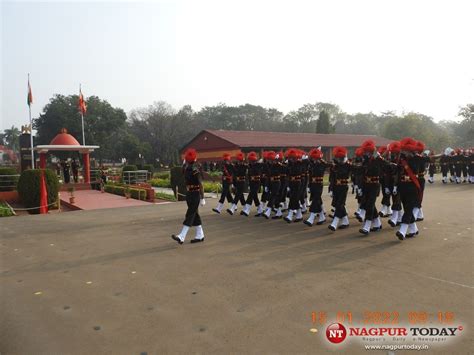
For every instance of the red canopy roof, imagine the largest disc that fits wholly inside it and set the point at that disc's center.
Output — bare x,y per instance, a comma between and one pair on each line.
64,138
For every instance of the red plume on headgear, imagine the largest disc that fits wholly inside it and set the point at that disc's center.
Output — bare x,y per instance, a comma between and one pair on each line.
292,153
240,156
359,152
382,149
316,154
339,152
270,155
368,146
395,147
408,144
190,155
252,156
420,146
226,157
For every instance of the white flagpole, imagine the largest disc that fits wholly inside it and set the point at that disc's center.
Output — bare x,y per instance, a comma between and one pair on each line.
82,118
31,126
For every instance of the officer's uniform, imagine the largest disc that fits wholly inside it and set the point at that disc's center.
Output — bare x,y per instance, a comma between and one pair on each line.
339,179
240,173
316,169
254,173
295,170
227,177
273,173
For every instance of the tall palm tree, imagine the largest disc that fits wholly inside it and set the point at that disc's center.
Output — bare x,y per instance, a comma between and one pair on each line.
12,138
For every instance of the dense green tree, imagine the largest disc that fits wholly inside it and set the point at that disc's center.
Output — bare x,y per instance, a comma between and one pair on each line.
323,125
100,122
11,137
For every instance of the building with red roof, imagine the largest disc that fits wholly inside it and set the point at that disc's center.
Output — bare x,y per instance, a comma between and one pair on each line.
212,144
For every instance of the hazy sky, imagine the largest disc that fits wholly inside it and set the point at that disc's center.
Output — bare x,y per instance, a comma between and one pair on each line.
363,55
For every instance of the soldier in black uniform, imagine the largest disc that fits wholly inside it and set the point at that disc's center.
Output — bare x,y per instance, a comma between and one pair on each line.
317,167
409,187
240,173
294,169
338,186
264,181
304,183
452,166
471,166
194,197
227,176
465,165
458,165
391,182
431,168
445,162
254,173
373,166
273,174
386,210
284,189
356,177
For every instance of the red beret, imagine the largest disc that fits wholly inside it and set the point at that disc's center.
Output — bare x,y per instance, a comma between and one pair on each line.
270,155
368,146
339,152
226,156
394,147
408,144
190,155
316,154
240,156
359,152
252,156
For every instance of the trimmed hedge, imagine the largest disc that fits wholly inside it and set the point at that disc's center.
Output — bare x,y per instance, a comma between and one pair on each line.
8,183
149,167
160,182
138,194
162,175
211,186
29,188
130,168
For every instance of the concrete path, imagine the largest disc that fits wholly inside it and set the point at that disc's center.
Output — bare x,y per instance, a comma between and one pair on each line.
111,281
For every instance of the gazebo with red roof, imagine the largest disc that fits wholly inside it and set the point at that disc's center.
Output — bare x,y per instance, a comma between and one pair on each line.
66,142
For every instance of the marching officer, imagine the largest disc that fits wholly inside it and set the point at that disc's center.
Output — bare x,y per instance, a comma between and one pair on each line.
254,173
391,182
264,183
227,172
194,198
338,179
273,174
240,173
317,167
295,170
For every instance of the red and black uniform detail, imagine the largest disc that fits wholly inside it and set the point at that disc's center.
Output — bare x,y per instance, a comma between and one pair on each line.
316,169
193,181
227,177
254,176
339,179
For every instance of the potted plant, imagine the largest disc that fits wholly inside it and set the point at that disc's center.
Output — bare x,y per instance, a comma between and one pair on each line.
71,194
128,192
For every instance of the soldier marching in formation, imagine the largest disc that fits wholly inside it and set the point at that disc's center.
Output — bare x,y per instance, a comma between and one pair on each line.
287,179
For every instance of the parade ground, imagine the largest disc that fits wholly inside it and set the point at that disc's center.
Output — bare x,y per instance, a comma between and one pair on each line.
112,281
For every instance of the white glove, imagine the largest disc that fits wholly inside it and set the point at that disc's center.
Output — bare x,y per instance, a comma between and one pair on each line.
203,202
394,190
288,189
387,191
330,194
308,190
359,193
260,161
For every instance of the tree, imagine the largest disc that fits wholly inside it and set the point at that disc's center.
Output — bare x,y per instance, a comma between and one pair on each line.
323,125
100,123
11,136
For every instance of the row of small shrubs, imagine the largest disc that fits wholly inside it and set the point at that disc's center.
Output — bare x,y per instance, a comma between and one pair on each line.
211,186
147,167
5,210
162,175
9,182
138,194
163,196
29,188
157,182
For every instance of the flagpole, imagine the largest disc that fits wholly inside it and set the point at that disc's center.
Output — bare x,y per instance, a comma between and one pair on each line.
82,119
31,129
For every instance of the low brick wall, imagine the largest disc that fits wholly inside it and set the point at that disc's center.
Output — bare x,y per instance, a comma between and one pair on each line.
9,196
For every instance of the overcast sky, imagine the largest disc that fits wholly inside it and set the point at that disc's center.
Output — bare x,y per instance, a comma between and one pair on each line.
362,55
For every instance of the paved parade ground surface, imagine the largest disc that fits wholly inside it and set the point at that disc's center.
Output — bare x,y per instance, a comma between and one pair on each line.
112,281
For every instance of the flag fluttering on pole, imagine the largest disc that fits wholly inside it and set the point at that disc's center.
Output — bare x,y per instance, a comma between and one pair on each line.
82,103
29,99
43,195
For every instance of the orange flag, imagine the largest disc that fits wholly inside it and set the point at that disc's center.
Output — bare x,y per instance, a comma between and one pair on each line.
82,103
43,195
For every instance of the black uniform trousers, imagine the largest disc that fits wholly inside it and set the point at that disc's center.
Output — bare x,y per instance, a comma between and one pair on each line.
339,200
226,192
295,193
192,218
385,197
253,194
316,191
422,185
265,194
432,170
396,202
444,170
239,193
274,189
409,197
303,190
371,191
